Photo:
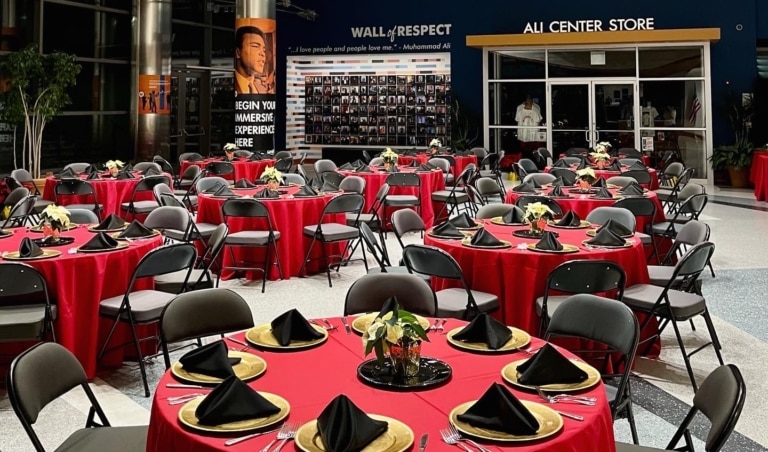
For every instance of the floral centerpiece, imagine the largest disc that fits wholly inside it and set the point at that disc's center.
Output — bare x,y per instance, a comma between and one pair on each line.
434,146
229,150
536,214
397,335
585,176
54,219
114,166
601,155
272,177
389,157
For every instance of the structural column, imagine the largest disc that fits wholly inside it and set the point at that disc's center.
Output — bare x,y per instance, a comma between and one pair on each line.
152,79
8,30
255,75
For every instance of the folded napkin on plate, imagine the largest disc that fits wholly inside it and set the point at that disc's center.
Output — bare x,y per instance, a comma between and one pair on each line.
535,183
306,190
617,228
244,183
100,241
548,367
638,165
463,221
632,189
600,182
606,237
135,230
28,248
615,166
525,187
329,187
425,167
447,229
347,166
514,216
124,175
152,171
561,164
343,427
363,169
487,330
223,190
92,175
603,193
292,326
559,182
558,192
67,173
212,360
499,410
584,163
315,183
549,242
485,238
128,168
255,157
358,163
109,223
231,401
267,194
569,219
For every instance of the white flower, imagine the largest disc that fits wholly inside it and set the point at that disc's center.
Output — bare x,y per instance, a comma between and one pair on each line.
271,174
586,172
389,156
56,213
435,143
536,210
601,150
394,333
114,164
230,147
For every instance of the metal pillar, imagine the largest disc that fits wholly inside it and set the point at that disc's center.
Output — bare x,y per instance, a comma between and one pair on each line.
255,63
151,81
8,31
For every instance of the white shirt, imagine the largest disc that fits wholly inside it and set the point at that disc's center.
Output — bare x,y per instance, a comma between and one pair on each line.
527,118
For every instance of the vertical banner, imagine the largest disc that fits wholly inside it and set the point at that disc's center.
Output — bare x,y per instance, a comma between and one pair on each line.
154,94
255,83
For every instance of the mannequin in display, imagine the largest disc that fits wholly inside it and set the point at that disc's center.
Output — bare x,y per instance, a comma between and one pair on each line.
528,115
649,115
670,116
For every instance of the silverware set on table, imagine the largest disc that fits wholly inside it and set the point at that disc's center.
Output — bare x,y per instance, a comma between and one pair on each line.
323,324
284,434
439,325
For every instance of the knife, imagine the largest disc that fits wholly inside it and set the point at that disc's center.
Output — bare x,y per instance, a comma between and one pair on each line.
423,442
346,325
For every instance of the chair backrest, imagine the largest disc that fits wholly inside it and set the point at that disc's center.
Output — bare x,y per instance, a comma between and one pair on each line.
640,207
20,212
83,216
22,284
16,195
443,164
22,176
284,164
165,165
369,293
344,203
207,183
191,172
629,161
491,162
324,165
494,210
528,165
173,218
674,169
380,195
73,187
540,178
144,166
690,190
720,398
294,178
78,167
352,184
692,233
376,161
170,200
161,189
630,153
148,183
488,187
244,207
571,160
405,221
283,155
641,176
404,180
620,181
602,214
430,260
193,156
479,152
690,266
332,177
243,153
587,276
569,176
524,200
165,259
220,168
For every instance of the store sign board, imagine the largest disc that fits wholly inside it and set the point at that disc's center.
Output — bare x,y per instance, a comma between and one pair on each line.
591,25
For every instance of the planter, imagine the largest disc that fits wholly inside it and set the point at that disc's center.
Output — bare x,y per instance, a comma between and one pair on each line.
739,176
405,358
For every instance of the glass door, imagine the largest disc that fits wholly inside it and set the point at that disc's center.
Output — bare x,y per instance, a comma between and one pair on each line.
613,111
190,111
569,116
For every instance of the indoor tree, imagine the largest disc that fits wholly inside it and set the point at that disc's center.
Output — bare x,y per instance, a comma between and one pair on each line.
36,91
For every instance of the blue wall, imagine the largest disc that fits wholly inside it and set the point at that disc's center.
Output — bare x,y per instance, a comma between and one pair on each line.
733,57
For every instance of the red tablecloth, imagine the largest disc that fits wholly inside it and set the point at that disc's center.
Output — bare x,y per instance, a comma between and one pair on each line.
310,379
244,168
430,182
110,193
289,216
77,282
758,174
646,159
607,174
461,160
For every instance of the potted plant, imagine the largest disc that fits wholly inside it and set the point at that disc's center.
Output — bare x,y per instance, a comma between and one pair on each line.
272,177
389,157
398,335
601,154
585,177
37,93
536,215
737,157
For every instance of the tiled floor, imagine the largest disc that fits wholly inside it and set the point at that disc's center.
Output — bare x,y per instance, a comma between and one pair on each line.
661,388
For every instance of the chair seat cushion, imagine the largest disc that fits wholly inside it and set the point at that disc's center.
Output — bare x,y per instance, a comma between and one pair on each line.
333,232
175,234
401,200
661,228
680,219
140,206
661,274
146,305
21,322
645,239
453,302
553,302
250,237
445,195
112,438
173,282
684,305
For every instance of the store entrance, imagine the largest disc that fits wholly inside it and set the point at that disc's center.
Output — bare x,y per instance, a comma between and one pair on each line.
190,114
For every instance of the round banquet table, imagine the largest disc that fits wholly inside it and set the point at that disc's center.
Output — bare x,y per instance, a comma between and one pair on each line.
758,174
289,215
110,193
430,181
646,159
607,174
461,160
244,168
78,282
310,379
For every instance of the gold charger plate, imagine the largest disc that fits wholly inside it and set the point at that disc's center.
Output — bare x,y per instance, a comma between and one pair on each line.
397,438
93,228
187,416
504,244
5,233
584,224
593,232
261,335
39,227
120,246
518,340
478,225
500,222
550,422
115,235
510,375
627,244
445,237
249,367
47,254
360,324
566,249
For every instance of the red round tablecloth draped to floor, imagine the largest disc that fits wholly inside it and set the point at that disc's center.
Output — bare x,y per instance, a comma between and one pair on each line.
77,282
289,215
608,174
430,181
310,379
758,174
461,160
244,168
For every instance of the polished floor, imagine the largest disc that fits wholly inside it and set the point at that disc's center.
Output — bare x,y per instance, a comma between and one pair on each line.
661,388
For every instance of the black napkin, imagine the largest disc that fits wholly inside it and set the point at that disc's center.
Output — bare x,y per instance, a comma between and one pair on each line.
616,227
514,216
223,190
195,158
152,171
135,230
255,156
124,174
267,194
549,242
485,329
559,182
244,183
110,223
499,410
547,367
343,427
569,219
93,175
231,401
558,192
347,166
615,166
306,190
603,193
638,165
212,360
213,189
128,168
67,173
315,183
633,189
100,241
363,169
463,221
561,164
358,163
447,230
28,248
600,182
292,326
485,238
584,163
606,237
329,187
525,187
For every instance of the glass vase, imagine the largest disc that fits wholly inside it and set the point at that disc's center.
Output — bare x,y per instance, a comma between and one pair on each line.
537,226
273,185
405,357
584,185
601,164
387,166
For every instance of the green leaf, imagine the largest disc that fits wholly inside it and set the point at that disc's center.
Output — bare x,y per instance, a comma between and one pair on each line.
420,331
379,346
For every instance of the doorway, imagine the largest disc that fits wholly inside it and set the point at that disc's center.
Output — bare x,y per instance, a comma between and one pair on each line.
190,112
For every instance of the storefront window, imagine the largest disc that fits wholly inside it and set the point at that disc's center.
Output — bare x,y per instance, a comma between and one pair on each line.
510,96
671,62
673,103
592,63
518,65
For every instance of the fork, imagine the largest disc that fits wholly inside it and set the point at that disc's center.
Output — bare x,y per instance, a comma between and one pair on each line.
234,441
330,325
286,435
457,436
449,439
441,328
562,398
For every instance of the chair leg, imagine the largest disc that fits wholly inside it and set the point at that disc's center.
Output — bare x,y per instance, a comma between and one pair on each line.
109,336
277,261
631,420
365,260
267,264
686,358
138,354
325,263
713,337
302,270
711,269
